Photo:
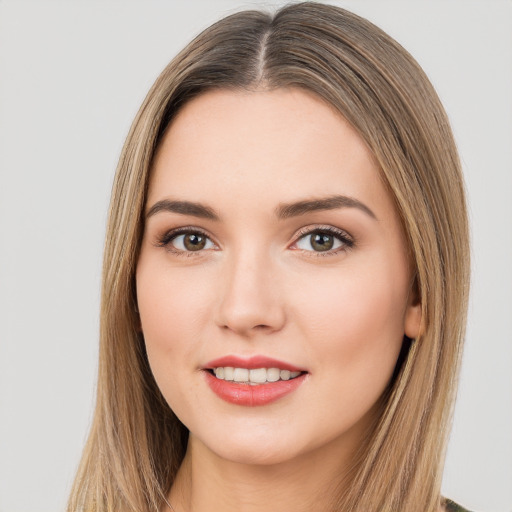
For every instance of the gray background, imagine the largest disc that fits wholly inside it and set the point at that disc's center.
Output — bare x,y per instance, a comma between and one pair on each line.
72,75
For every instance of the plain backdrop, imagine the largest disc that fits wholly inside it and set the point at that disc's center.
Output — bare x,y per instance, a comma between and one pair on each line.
72,76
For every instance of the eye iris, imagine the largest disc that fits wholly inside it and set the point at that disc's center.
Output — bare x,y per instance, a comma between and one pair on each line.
194,242
322,242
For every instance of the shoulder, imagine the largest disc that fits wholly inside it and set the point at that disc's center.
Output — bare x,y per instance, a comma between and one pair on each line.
451,506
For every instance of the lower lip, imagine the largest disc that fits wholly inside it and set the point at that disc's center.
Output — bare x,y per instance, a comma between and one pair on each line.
252,396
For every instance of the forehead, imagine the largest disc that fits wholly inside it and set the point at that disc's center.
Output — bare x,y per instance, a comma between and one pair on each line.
269,146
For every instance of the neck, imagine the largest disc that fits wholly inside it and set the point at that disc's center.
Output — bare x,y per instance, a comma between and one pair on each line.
308,482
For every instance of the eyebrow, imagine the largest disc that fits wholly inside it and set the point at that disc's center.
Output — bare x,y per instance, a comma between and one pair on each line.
285,211
184,208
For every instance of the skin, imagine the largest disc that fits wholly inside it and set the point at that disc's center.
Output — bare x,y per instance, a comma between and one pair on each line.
260,287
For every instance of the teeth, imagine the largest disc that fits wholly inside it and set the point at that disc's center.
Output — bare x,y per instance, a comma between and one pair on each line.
241,375
254,376
258,375
273,374
285,374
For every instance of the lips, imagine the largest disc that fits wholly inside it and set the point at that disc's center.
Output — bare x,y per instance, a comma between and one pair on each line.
253,362
253,381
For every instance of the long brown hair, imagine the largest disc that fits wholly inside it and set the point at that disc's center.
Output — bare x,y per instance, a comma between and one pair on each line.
136,443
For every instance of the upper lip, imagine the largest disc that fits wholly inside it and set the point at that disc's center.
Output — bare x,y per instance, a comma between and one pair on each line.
253,362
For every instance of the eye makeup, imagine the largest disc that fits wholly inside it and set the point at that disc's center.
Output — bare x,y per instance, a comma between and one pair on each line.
324,240
186,241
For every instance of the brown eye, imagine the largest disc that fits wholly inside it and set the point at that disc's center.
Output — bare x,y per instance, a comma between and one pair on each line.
325,240
191,242
194,242
321,241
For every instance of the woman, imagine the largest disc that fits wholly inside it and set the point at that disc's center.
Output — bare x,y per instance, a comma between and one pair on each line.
285,280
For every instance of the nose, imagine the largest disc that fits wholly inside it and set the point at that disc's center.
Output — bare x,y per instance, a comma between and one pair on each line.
251,299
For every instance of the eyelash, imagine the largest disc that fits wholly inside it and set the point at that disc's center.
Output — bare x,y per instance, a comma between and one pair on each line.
346,240
169,236
342,236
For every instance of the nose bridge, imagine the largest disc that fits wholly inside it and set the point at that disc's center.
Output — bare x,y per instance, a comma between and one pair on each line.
250,299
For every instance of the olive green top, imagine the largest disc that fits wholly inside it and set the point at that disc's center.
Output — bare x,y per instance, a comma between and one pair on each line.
451,506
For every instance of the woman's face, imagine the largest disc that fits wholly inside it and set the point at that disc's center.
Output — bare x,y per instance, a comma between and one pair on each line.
270,242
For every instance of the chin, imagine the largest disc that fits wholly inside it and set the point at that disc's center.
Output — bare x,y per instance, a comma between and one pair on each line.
255,456
250,448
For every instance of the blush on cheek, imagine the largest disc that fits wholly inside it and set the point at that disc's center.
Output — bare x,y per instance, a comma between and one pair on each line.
359,320
166,305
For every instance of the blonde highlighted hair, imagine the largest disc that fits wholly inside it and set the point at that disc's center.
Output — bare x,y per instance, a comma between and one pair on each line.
136,443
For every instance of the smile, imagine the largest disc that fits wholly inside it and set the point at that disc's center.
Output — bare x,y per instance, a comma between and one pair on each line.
254,376
253,381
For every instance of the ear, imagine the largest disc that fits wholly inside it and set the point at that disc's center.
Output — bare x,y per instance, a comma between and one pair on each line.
412,323
413,315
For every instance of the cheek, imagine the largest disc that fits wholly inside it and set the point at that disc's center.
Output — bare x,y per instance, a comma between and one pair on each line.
355,331
174,310
170,303
356,319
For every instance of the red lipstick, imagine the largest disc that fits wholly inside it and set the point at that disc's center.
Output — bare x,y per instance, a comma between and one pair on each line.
247,394
251,363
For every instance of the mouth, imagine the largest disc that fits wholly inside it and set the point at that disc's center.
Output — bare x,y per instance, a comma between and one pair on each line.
253,376
258,380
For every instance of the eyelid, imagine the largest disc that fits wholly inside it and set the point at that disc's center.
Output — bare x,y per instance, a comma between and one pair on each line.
347,240
342,235
166,238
